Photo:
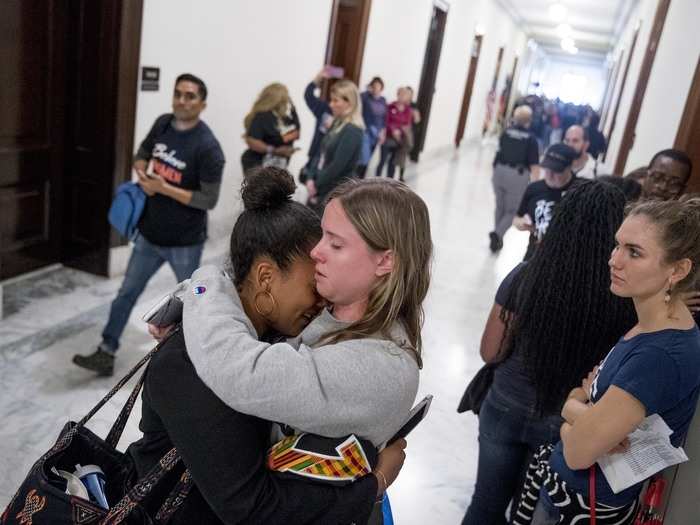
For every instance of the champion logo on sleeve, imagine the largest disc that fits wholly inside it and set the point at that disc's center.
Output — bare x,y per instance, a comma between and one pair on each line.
199,290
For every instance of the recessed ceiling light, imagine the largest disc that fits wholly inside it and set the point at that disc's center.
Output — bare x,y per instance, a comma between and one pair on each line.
564,30
567,43
557,12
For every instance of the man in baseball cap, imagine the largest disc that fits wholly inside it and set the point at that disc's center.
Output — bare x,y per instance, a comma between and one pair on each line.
537,206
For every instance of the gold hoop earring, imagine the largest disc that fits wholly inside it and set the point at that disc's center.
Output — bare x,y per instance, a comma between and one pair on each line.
272,300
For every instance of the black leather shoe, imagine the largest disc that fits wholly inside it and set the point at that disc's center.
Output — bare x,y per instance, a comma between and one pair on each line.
99,361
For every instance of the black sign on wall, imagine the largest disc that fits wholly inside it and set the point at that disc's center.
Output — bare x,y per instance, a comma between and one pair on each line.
150,77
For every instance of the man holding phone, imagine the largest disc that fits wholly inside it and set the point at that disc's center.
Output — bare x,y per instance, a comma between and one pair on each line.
179,166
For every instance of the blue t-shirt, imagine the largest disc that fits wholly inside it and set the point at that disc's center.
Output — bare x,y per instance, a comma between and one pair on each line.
660,369
373,110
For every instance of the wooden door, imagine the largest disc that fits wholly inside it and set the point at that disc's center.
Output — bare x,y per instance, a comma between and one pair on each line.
688,137
346,38
431,61
468,88
68,88
620,92
633,116
32,95
492,95
610,90
90,113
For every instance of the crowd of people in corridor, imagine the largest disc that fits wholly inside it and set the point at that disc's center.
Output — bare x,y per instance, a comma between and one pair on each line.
314,329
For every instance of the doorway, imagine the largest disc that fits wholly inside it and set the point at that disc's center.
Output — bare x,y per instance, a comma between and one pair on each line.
491,97
431,61
347,34
688,136
468,88
633,116
613,121
64,77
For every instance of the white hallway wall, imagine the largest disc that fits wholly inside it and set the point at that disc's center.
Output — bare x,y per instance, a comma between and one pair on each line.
238,47
669,82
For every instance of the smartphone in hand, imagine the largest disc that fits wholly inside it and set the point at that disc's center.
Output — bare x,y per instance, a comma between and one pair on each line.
334,71
415,416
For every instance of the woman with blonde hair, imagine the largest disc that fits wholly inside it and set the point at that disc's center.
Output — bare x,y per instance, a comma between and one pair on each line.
341,147
354,368
271,127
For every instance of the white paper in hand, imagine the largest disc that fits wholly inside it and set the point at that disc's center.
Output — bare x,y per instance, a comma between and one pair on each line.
650,451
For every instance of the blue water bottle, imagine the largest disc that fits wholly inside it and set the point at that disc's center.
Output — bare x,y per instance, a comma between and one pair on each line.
94,480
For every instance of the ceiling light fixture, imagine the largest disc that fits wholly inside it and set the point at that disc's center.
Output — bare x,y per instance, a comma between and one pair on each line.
568,45
564,30
557,12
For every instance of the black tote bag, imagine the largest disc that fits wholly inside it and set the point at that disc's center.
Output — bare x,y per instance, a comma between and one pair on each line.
41,501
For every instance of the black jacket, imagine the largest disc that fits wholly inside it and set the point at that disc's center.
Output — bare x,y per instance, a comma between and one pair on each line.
226,454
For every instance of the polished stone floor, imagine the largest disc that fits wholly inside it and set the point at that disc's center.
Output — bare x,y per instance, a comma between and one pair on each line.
57,314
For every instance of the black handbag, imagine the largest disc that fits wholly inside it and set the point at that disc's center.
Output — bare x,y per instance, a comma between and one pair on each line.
477,389
42,500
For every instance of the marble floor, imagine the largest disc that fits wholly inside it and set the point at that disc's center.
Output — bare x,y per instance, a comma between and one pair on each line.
59,313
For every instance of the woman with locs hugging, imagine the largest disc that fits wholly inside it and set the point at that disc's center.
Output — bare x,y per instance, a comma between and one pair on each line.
353,368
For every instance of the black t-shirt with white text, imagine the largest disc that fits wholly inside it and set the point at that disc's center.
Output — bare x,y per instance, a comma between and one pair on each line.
184,159
538,202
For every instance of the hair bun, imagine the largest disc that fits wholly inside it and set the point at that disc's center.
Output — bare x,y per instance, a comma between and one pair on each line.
267,188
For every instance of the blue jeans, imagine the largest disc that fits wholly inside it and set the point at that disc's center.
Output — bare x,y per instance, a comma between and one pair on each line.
145,260
509,434
388,152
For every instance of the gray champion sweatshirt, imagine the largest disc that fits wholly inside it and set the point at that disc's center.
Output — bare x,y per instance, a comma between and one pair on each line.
364,387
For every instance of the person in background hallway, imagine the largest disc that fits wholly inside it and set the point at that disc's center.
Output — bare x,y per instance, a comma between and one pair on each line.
537,205
667,175
374,115
667,179
584,166
186,164
598,144
515,165
341,147
271,127
654,368
401,161
398,138
553,319
631,188
638,175
324,119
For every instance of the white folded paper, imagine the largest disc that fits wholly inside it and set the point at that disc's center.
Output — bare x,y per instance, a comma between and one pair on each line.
650,451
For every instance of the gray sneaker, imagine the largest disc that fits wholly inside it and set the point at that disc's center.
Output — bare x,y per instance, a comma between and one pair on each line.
99,361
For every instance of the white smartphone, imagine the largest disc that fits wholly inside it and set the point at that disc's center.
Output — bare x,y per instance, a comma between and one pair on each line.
167,311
